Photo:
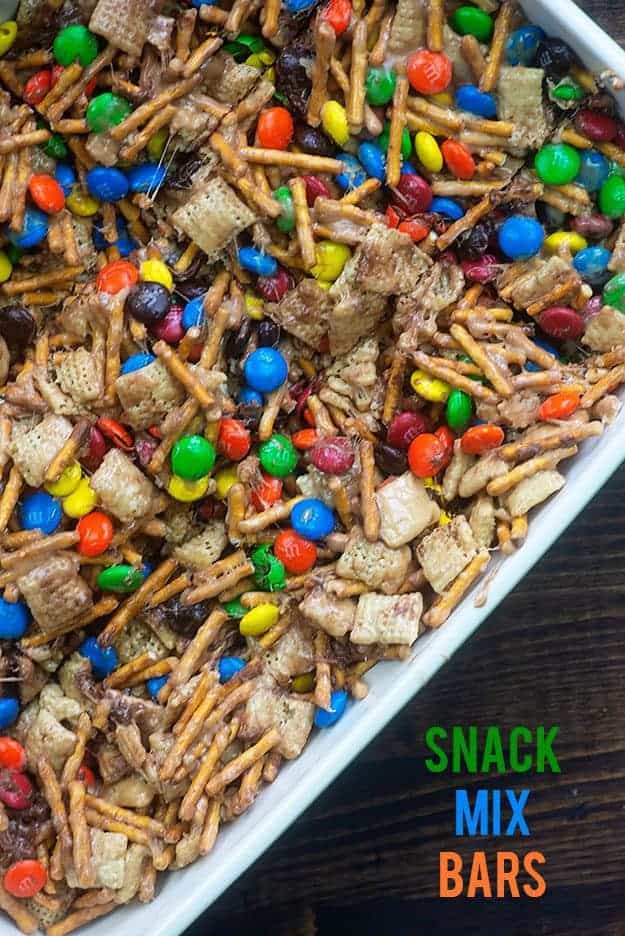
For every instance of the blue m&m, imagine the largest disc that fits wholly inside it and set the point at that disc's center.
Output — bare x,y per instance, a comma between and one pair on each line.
14,619
103,661
373,160
521,238
9,710
522,45
352,174
448,208
136,362
248,395
594,170
470,98
41,511
65,176
107,184
257,262
312,519
193,314
338,704
154,685
147,177
592,264
265,370
229,667
33,231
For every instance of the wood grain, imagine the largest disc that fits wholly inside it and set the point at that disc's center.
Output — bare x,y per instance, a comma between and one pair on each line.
364,858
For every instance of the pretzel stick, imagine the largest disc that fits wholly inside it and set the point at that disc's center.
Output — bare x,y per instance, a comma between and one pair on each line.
119,677
41,547
24,163
270,28
323,683
562,437
440,611
74,761
441,115
528,468
207,765
303,161
68,77
361,192
25,921
201,55
398,122
52,792
467,189
472,387
239,12
181,372
241,763
248,788
21,140
192,655
436,22
227,154
79,918
479,355
265,203
606,385
103,808
185,416
355,104
468,221
173,588
275,514
66,455
101,609
324,49
393,386
114,338
236,511
211,824
10,496
143,113
377,55
558,292
368,505
80,834
205,682
137,601
8,182
142,138
57,107
518,530
303,222
490,76
213,588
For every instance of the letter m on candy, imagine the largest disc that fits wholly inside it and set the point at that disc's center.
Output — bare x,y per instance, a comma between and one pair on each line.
471,819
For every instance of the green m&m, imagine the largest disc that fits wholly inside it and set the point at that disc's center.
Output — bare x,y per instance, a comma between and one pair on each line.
75,44
471,21
278,456
557,163
406,145
612,197
192,457
269,574
120,578
458,410
234,608
614,292
286,221
380,86
106,111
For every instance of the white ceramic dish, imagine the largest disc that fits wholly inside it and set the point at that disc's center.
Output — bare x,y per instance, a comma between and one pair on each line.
183,896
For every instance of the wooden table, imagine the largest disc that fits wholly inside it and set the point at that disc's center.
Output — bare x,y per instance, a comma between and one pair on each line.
364,858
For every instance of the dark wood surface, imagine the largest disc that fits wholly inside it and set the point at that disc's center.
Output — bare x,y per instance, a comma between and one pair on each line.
364,858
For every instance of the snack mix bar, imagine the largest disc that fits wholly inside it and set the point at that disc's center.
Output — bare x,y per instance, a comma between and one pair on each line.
302,306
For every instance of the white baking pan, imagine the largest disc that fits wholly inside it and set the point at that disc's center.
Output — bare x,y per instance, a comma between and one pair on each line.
184,895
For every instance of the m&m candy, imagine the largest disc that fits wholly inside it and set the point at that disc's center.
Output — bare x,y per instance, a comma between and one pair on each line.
14,619
103,661
312,519
193,457
521,238
265,370
40,511
325,718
